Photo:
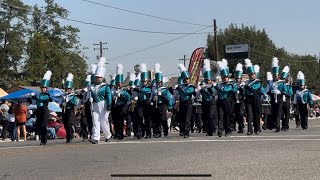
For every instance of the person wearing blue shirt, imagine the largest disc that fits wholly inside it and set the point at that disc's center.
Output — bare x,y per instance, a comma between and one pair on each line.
69,105
286,98
301,100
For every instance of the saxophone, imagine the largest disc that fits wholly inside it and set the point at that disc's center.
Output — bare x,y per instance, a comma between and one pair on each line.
132,105
301,94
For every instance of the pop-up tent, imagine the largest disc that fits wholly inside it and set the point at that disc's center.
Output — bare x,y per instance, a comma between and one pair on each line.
2,93
18,94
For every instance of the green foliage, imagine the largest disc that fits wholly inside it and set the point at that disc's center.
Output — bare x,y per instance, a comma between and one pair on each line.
36,43
262,50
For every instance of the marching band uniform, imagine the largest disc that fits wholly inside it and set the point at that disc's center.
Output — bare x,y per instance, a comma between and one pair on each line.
303,97
239,105
266,108
286,99
278,89
196,119
162,102
42,101
101,105
209,101
175,100
253,92
226,91
131,106
185,104
121,98
86,126
70,102
143,105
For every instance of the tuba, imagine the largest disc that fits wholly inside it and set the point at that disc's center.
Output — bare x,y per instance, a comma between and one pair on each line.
215,70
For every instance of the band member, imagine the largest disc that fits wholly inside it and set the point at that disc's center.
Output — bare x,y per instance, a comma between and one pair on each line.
239,104
302,98
101,104
209,101
277,90
131,106
266,106
121,99
70,102
253,92
143,105
286,98
185,105
226,91
42,101
196,118
161,100
176,101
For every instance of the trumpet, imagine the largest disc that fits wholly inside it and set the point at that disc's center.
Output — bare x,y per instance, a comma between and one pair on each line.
132,105
237,96
275,87
117,93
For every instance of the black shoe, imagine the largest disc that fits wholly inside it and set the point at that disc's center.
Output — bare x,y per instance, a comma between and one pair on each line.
209,134
43,143
106,140
305,127
186,136
264,127
219,133
285,129
68,141
138,136
240,131
228,134
94,142
249,133
181,134
148,137
257,132
120,138
165,133
277,130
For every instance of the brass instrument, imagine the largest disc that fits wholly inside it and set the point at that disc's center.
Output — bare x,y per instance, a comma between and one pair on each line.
301,94
132,105
275,87
117,92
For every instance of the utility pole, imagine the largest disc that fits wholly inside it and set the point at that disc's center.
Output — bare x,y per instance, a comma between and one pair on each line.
215,40
100,49
184,60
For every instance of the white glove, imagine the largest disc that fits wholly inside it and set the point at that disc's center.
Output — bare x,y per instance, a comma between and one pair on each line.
151,103
64,104
85,89
136,98
32,94
118,94
159,93
238,92
91,100
108,112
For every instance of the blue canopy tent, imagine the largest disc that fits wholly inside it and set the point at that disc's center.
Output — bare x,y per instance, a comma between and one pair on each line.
51,106
21,94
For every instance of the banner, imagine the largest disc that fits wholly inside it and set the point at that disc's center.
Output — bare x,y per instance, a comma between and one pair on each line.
195,65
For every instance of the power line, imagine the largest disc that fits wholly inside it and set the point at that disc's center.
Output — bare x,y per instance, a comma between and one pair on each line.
154,46
110,27
143,14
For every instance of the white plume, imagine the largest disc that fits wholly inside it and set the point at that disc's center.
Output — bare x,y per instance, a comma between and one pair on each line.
269,76
165,79
300,75
143,67
221,65
256,68
239,67
206,65
88,78
181,67
119,69
157,68
102,62
247,63
47,75
70,77
286,69
93,68
132,76
275,62
225,62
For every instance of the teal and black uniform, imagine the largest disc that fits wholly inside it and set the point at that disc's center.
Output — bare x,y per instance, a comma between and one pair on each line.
143,111
185,107
253,91
301,99
286,107
209,108
68,117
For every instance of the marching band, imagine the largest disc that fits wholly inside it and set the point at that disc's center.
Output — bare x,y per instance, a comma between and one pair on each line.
216,105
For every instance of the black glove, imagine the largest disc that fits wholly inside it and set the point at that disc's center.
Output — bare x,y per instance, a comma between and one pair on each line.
109,108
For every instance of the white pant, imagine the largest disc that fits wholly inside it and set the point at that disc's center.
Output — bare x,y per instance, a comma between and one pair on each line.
100,119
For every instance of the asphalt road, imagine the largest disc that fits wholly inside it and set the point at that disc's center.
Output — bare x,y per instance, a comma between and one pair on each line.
285,155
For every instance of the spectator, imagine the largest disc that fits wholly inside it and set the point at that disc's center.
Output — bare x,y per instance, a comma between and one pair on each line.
4,108
11,123
20,112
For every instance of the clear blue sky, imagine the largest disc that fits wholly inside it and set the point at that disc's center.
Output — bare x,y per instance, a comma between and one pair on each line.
292,24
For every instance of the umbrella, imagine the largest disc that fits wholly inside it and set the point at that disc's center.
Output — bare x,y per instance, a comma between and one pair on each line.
52,107
56,95
59,127
23,93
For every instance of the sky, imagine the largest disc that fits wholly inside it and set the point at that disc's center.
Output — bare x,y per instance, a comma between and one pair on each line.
292,24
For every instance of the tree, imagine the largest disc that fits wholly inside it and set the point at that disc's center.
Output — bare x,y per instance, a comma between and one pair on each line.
54,47
12,41
262,50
